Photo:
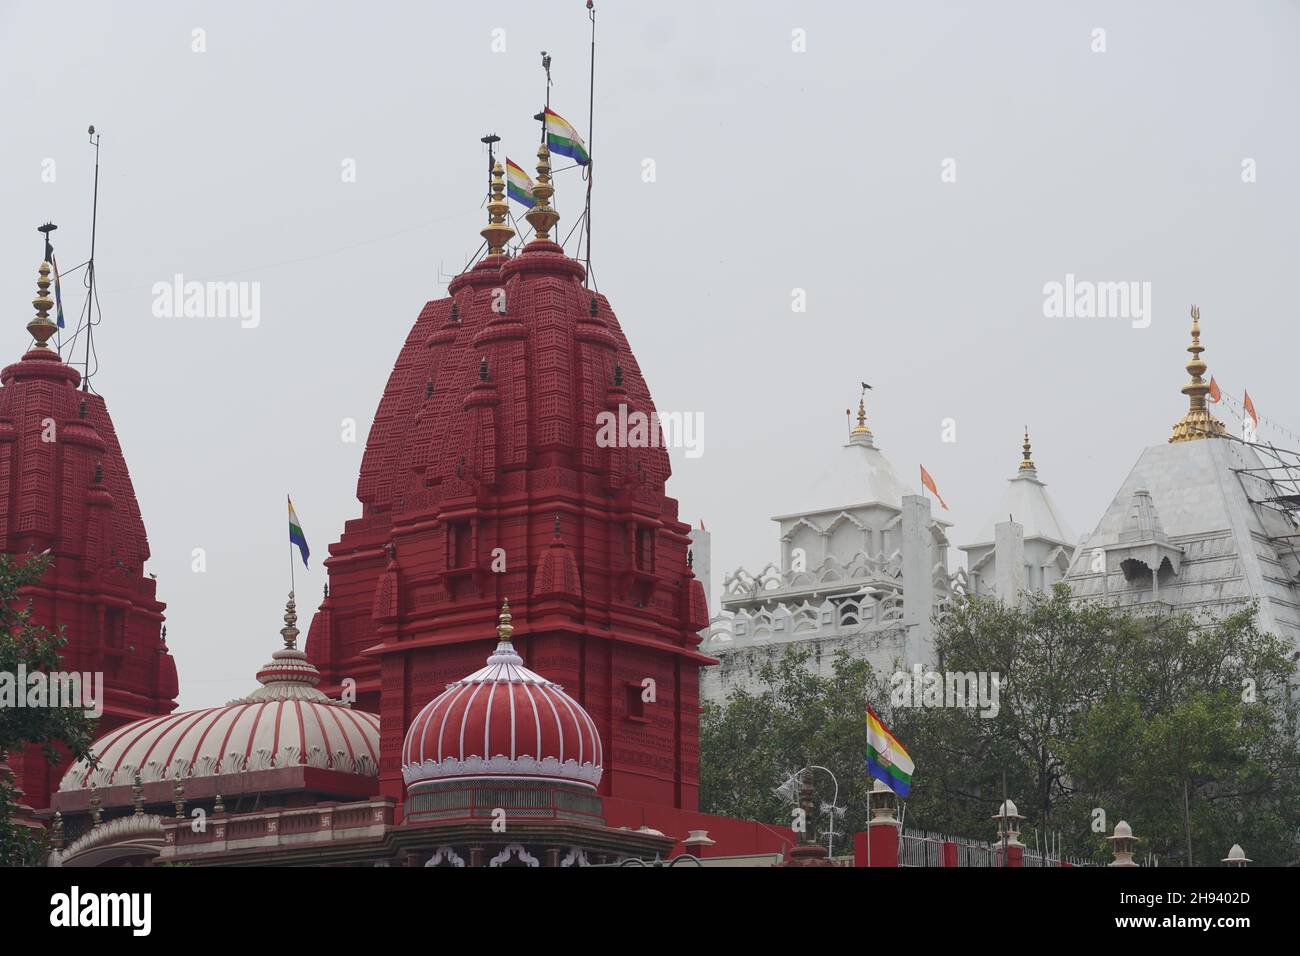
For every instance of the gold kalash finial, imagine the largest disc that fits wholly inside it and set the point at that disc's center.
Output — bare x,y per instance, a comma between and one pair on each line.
504,628
42,328
290,630
497,232
542,216
862,428
1198,422
1026,461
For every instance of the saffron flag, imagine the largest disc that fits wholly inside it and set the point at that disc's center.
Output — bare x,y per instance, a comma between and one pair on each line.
928,483
887,759
1215,394
562,138
1249,427
519,186
295,533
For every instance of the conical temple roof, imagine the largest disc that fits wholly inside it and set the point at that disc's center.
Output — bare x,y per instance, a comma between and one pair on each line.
858,473
1027,502
1195,496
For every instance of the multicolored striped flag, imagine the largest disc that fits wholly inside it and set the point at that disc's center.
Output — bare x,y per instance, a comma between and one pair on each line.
519,186
928,483
562,138
887,759
58,286
295,533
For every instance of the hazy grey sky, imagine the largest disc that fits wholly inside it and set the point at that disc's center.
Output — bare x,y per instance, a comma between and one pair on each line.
775,170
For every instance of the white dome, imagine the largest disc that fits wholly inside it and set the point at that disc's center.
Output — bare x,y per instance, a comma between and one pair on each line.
285,722
857,474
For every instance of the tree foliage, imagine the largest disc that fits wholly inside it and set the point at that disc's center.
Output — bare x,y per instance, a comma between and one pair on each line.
1101,711
29,647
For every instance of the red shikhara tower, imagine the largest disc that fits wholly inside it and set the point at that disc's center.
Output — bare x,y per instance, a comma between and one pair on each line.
482,481
65,487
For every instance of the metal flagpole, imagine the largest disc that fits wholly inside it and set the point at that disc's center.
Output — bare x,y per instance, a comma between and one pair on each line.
90,276
869,828
1004,818
591,110
292,587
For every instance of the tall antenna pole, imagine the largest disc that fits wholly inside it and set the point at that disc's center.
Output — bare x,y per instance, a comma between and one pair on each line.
591,110
90,266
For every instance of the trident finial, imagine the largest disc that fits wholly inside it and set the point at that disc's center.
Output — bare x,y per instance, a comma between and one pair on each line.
1198,422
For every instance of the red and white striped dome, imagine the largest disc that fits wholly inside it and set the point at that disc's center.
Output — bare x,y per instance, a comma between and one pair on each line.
285,722
503,721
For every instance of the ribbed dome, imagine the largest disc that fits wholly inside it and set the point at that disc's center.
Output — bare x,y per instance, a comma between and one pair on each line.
285,722
503,721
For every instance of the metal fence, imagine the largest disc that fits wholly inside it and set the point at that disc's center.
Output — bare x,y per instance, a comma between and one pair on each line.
918,848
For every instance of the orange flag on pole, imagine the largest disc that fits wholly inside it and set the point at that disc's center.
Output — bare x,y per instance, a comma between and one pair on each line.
1215,394
928,483
1250,410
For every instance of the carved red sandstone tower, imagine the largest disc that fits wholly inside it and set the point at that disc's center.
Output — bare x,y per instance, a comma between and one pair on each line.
485,439
65,487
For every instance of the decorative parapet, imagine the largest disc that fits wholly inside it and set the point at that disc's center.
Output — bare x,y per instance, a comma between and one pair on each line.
841,617
771,582
273,828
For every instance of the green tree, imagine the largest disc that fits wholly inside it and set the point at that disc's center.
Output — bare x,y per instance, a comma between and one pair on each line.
31,647
754,742
1159,720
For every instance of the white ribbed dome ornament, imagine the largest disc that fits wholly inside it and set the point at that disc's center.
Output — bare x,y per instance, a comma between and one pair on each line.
505,722
289,676
286,722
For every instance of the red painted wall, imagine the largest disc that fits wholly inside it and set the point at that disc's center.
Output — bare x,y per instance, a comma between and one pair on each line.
466,468
66,488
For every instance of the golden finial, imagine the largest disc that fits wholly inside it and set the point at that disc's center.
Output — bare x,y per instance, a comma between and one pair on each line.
1198,422
862,428
542,216
290,630
42,328
1026,462
497,232
504,628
